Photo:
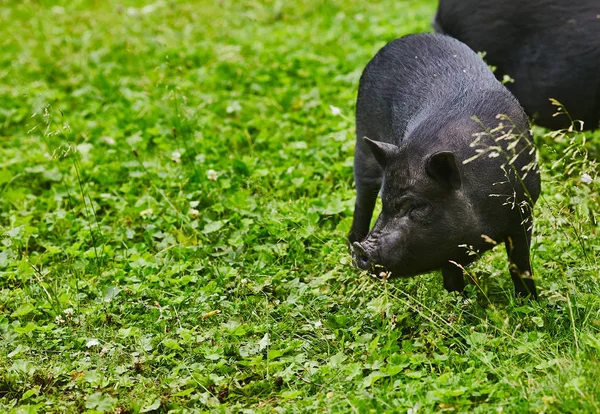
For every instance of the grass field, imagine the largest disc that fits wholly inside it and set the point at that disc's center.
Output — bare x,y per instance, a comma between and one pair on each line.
175,192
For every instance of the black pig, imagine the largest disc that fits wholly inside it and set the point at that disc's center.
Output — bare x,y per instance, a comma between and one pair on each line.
449,148
551,48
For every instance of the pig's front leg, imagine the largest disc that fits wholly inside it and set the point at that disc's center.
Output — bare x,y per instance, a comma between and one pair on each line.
454,280
367,178
517,249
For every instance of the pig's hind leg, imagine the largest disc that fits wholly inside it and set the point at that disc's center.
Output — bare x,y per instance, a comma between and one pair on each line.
368,175
517,248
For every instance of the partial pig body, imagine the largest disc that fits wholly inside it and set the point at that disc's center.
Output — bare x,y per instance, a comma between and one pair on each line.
455,178
551,48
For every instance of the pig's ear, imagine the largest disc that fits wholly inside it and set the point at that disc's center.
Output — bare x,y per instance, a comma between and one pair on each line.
381,150
442,167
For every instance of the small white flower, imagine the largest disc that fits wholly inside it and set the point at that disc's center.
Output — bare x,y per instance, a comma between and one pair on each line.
59,319
414,410
193,212
234,107
103,351
318,324
467,302
211,175
69,311
109,141
335,110
586,178
176,157
92,342
149,8
146,212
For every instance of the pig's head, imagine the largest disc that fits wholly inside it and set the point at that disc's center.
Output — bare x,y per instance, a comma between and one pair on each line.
425,213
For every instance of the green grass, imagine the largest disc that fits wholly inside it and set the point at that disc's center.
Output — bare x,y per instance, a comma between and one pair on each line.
175,193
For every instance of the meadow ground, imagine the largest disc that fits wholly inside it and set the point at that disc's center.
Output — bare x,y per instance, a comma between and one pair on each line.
175,193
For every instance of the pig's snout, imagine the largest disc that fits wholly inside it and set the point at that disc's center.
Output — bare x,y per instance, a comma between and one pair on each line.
367,261
361,257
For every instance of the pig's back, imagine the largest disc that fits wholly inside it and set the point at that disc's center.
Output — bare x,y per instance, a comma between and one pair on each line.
414,77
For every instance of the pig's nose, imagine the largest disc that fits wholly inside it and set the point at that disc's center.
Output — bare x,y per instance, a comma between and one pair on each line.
361,257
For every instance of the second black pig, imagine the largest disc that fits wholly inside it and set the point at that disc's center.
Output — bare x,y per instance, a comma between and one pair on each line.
449,148
551,48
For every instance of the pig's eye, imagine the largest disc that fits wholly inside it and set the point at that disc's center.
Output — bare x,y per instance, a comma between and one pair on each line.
419,211
401,206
